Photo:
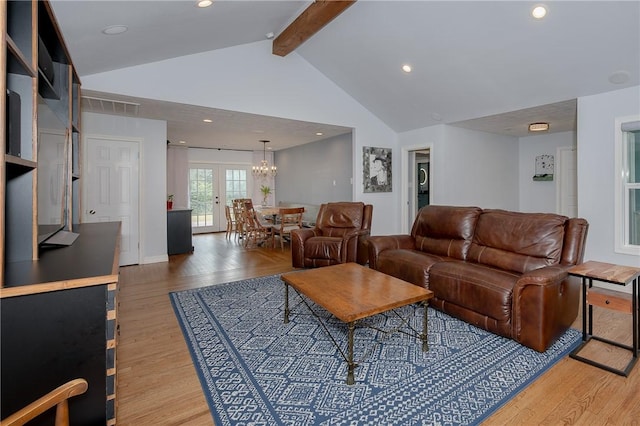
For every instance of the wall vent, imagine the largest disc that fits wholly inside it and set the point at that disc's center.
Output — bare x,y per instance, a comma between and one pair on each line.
109,106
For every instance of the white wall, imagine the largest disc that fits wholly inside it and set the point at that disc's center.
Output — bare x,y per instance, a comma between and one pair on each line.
178,175
469,168
153,156
221,156
596,166
249,78
537,196
316,173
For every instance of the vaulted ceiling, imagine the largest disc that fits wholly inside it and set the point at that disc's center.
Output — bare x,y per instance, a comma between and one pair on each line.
484,65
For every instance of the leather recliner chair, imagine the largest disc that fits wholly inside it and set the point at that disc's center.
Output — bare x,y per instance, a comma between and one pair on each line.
339,236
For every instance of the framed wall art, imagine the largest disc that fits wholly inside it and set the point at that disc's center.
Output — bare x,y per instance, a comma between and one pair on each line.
544,168
376,169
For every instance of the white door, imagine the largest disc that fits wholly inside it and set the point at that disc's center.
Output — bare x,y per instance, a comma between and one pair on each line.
111,189
567,181
211,187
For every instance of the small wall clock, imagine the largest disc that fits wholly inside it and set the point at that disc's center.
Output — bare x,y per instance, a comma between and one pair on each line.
544,168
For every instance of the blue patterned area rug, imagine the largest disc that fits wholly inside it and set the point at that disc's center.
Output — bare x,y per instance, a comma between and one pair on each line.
256,370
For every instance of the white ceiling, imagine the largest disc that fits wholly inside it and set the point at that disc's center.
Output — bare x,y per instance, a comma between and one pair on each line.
228,129
471,60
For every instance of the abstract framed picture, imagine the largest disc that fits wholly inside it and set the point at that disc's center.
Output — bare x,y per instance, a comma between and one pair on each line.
376,169
544,168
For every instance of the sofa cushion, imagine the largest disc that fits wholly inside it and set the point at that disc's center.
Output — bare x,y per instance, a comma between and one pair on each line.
479,288
518,242
409,265
445,230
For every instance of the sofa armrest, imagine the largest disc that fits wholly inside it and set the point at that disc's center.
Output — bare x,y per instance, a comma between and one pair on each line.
379,243
544,305
549,275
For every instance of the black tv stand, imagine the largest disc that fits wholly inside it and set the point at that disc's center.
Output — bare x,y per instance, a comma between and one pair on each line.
61,239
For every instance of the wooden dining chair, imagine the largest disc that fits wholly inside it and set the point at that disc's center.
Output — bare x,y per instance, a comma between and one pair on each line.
231,222
58,398
239,205
290,219
255,231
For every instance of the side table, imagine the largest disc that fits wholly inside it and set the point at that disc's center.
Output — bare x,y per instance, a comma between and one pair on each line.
614,274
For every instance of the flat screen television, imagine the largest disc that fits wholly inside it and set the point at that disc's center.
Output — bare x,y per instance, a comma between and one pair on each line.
52,176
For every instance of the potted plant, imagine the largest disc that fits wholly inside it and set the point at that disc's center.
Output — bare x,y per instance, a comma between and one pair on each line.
265,193
169,201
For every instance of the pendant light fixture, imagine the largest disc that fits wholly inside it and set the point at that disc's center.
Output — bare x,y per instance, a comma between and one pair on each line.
263,170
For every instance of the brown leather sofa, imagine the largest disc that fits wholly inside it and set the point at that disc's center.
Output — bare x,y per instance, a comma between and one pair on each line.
339,236
503,271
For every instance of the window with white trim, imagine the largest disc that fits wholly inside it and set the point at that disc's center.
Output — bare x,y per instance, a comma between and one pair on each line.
628,185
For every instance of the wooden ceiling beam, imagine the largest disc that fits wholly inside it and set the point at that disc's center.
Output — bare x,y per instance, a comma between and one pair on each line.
312,20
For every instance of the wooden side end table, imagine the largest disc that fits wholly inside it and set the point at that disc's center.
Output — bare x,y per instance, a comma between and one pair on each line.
619,301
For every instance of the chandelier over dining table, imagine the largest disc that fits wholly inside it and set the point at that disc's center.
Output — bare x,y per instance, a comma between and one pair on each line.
264,170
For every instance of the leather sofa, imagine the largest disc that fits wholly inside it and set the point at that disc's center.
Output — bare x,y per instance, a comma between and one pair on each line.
503,271
339,236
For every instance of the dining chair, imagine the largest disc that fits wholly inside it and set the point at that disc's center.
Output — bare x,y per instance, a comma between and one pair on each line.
255,231
239,205
290,219
231,221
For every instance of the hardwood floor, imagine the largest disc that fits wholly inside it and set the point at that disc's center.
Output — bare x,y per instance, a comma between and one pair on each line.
158,385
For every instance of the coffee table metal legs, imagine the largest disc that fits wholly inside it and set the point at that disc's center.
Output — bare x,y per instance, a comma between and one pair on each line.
350,364
286,303
425,343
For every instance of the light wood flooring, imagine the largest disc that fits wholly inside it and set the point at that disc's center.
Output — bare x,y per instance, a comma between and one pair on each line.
158,385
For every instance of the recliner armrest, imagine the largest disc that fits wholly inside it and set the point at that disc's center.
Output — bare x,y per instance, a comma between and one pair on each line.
298,237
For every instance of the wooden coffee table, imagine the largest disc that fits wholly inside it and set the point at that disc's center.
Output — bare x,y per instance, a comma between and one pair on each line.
352,292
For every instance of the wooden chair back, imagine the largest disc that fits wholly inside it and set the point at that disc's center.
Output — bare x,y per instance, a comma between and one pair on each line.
290,219
254,230
231,221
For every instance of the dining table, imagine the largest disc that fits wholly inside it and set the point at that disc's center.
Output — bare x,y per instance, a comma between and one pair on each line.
270,213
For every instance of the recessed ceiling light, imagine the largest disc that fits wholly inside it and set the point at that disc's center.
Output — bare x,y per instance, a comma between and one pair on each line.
619,77
204,3
207,120
114,29
406,68
539,12
182,141
538,127
319,133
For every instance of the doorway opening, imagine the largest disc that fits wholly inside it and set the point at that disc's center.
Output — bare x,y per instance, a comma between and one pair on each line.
211,188
418,183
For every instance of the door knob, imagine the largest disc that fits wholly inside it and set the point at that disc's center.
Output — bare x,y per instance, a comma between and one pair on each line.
92,212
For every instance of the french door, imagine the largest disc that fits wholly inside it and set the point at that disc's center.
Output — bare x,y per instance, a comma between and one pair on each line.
211,188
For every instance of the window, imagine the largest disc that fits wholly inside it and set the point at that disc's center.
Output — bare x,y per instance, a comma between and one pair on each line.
236,185
628,186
